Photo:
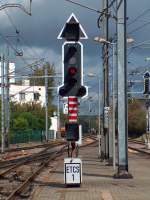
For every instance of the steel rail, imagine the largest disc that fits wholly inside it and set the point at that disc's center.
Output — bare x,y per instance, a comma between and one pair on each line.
31,178
26,159
8,163
34,158
32,147
135,141
31,160
46,157
143,151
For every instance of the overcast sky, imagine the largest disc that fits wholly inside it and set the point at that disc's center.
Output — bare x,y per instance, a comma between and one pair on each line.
38,33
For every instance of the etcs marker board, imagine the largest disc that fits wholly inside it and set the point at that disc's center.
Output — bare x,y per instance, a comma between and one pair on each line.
72,171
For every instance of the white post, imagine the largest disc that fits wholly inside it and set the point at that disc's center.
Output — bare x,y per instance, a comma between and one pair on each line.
58,113
46,102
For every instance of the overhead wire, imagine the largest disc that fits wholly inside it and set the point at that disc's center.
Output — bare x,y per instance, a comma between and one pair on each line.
18,32
11,21
138,28
138,17
104,12
27,65
7,41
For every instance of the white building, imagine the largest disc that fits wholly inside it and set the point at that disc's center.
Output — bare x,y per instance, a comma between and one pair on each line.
23,93
26,93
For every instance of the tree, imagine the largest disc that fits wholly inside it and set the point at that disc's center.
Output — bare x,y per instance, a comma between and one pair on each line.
136,118
33,113
20,123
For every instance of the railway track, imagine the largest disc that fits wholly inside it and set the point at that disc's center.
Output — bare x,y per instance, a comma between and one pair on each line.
136,141
36,156
16,182
35,146
138,146
20,176
32,157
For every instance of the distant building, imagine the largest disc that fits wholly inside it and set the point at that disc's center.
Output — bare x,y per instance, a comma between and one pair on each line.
25,93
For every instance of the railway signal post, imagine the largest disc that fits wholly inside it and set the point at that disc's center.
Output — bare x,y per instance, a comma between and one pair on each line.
72,88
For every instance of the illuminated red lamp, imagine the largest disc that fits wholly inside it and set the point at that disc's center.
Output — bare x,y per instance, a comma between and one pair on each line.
72,71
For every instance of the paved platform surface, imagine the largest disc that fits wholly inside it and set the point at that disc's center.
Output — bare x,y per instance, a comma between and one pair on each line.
98,182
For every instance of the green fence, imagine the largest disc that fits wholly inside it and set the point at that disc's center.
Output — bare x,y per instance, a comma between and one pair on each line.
20,136
25,136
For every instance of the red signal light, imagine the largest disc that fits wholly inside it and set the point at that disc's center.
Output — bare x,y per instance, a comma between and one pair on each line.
72,71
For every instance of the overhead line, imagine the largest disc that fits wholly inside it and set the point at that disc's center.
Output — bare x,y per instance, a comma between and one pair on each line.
139,16
17,31
138,28
11,21
81,5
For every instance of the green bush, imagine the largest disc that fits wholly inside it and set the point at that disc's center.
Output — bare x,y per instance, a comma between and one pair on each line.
20,123
136,118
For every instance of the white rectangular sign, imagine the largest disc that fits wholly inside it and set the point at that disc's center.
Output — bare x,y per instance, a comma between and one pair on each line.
72,171
106,117
65,105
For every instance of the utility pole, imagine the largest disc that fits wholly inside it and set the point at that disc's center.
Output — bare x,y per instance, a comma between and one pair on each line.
46,101
7,105
122,92
2,106
148,127
105,136
5,83
114,100
147,120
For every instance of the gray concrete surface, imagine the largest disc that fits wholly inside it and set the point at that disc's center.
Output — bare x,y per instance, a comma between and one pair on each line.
98,182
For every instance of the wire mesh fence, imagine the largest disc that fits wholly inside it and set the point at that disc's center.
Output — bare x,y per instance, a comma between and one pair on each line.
26,136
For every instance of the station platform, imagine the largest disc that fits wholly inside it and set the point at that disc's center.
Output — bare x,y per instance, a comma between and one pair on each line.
98,182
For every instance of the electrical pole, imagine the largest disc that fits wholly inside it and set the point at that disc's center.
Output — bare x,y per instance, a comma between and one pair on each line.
7,105
105,137
5,83
122,92
89,116
148,145
2,106
114,100
46,101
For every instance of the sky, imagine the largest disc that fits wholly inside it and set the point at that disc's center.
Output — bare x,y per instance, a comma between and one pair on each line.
38,33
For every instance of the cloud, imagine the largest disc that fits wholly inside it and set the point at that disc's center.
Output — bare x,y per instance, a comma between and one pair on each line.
39,32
